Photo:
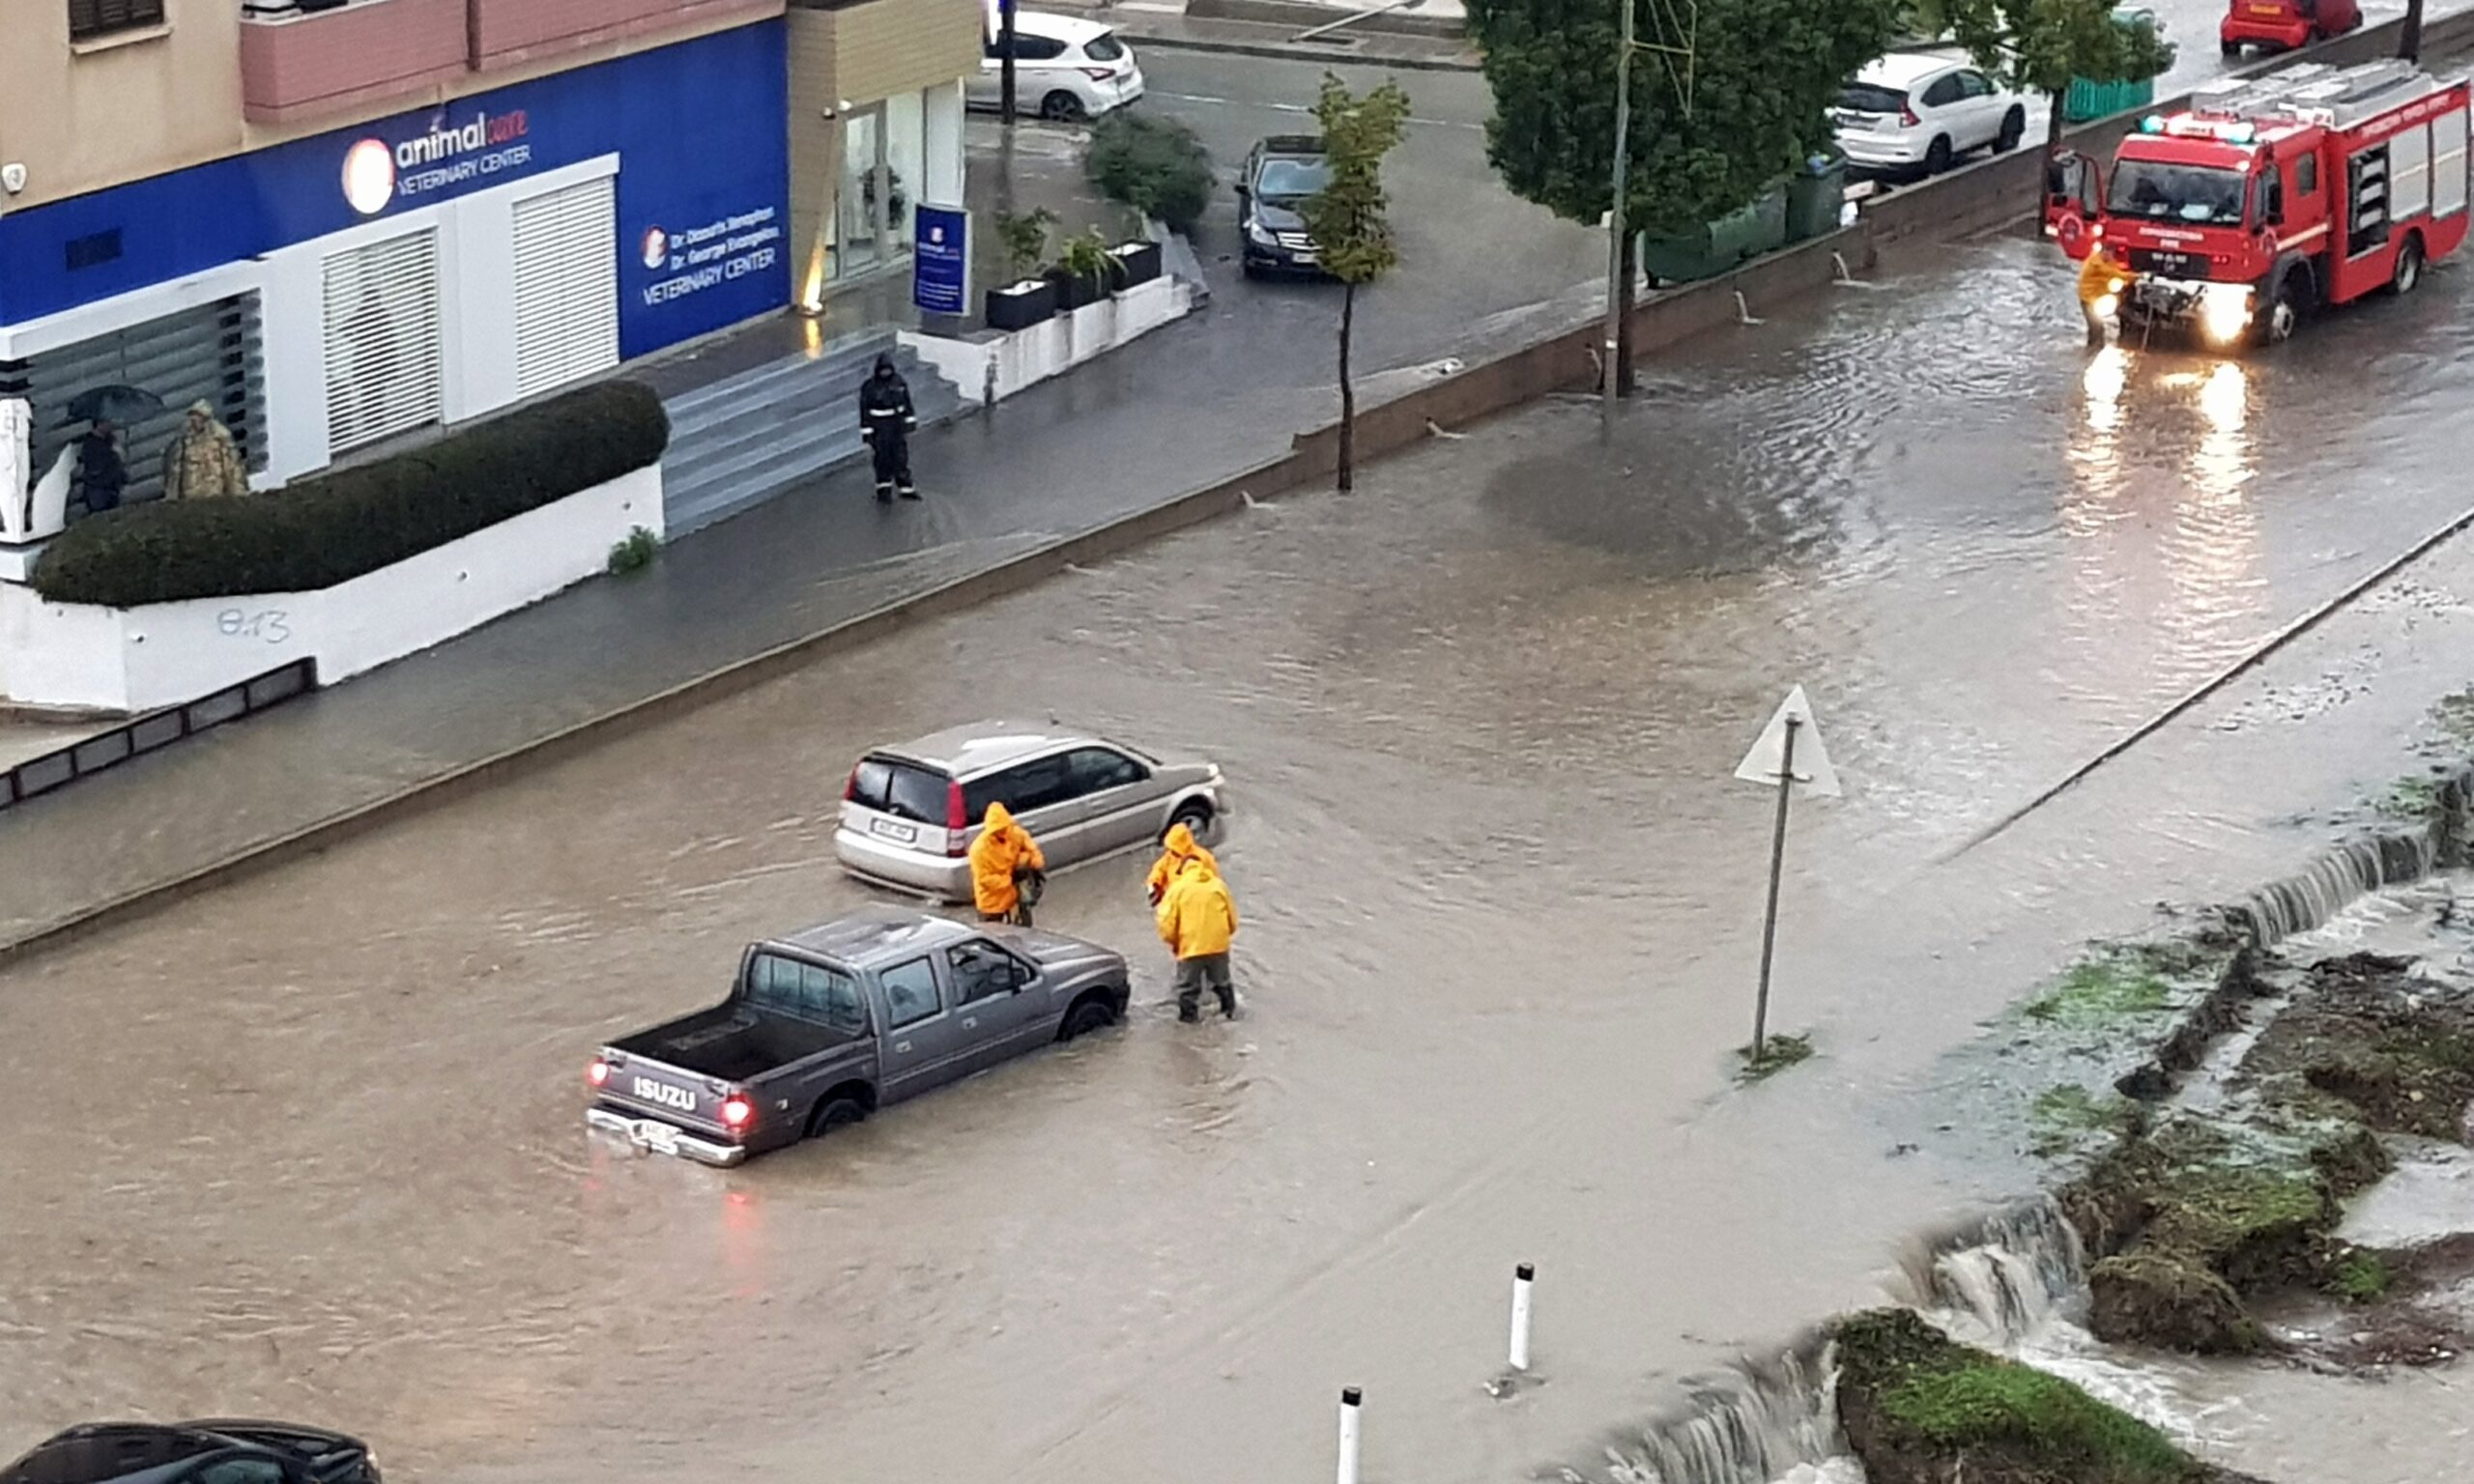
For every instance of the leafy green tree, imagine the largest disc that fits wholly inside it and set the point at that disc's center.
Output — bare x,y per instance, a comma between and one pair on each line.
1727,97
1349,218
2041,44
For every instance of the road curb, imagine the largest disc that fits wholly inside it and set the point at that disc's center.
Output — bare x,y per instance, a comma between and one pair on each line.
1272,52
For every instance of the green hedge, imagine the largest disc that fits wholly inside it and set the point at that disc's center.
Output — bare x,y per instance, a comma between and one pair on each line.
337,525
1154,164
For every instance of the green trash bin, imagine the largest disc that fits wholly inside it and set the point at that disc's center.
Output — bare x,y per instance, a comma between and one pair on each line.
1713,249
1816,197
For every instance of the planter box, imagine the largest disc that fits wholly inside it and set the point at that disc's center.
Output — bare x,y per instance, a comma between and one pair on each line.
1140,264
1074,292
1022,306
991,366
131,660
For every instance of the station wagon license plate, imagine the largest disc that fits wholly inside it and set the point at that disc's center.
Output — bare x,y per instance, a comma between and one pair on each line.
892,830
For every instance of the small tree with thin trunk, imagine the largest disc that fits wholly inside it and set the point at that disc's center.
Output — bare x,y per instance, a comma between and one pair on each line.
2409,40
1349,218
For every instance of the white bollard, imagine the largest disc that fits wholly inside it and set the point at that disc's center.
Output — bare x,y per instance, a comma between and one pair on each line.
1523,1278
1351,1398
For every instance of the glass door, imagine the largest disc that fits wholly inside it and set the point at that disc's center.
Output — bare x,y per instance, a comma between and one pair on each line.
862,239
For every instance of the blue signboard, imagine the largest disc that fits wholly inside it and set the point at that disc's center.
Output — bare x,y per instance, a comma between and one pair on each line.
941,262
703,192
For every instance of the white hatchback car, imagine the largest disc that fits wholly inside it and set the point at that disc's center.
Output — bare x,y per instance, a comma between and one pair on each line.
1919,110
1064,67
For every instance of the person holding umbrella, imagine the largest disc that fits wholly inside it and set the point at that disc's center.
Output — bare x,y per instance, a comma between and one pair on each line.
102,467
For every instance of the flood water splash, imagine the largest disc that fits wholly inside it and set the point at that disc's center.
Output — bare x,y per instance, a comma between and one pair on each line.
2002,1282
1756,1422
2314,895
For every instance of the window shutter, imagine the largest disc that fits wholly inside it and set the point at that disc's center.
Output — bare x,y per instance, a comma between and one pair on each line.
386,347
567,285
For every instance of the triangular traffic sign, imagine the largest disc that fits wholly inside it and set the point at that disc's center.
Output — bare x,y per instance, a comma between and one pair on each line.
1813,772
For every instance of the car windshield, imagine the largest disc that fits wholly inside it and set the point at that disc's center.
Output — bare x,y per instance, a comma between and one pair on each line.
1287,178
1105,48
2203,195
1870,97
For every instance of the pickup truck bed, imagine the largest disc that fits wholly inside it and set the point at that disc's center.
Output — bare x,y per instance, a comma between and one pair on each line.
731,1042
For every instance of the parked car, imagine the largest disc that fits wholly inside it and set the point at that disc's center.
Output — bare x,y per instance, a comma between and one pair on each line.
1065,68
825,1027
1918,111
217,1451
909,813
1280,172
2284,25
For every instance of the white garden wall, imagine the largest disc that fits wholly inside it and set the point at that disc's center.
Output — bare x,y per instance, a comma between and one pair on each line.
75,655
1025,357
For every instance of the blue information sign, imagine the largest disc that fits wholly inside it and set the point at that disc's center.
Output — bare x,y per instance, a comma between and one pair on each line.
940,265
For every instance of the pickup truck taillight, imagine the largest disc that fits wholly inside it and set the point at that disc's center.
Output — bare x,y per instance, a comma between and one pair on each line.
737,1112
596,1074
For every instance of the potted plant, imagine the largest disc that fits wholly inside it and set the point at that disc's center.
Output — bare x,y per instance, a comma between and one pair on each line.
1138,262
1029,299
1087,270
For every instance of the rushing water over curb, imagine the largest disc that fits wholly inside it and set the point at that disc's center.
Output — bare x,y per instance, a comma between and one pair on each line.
1752,1423
2007,1277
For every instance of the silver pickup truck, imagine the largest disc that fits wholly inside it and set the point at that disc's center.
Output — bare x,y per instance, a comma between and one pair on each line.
826,1026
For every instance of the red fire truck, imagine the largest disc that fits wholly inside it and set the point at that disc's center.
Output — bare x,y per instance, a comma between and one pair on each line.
2270,197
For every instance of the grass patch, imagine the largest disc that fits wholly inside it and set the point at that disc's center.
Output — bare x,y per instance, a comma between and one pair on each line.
2414,796
635,553
2360,1277
1912,1398
1775,1055
2067,1117
2109,986
2454,716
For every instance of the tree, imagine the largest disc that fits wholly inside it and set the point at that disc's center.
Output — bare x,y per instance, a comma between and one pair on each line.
2041,44
1348,218
2409,40
1727,97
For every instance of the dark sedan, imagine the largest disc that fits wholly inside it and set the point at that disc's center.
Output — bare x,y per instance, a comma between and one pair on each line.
1280,172
219,1451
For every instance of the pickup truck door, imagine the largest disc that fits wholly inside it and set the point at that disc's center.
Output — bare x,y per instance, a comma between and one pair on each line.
920,1042
999,1013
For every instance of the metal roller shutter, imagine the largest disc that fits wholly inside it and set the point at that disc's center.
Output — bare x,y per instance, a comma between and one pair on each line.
567,285
210,353
386,342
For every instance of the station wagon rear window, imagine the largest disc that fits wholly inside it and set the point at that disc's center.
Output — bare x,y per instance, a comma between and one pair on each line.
902,789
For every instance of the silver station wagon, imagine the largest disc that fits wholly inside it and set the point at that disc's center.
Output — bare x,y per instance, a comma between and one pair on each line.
909,813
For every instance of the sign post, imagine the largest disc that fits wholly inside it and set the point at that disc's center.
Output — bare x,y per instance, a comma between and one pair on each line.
1790,738
941,262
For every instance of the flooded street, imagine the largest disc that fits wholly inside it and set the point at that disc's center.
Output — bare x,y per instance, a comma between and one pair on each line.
311,1144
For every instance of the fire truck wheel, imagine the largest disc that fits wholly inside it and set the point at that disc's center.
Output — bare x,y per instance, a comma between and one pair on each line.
2284,310
2409,266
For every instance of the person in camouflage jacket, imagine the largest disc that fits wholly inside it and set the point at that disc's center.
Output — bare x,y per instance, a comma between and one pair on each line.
203,460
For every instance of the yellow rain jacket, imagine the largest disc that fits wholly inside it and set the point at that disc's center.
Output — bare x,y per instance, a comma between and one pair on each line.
2098,276
1002,849
1176,852
1197,917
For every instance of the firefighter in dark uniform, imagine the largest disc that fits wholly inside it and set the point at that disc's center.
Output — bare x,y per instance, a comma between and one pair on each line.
886,421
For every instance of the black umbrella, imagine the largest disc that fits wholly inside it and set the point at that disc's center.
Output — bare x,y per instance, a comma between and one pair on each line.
120,404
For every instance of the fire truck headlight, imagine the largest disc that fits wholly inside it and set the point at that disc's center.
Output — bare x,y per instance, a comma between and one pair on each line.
2115,285
2225,312
2107,306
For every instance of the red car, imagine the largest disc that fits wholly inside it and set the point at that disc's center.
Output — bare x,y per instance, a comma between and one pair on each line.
2284,25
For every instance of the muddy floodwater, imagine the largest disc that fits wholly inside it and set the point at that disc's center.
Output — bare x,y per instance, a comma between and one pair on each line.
311,1144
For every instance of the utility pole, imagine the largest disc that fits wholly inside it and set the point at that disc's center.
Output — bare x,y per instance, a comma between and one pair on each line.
1005,55
1619,293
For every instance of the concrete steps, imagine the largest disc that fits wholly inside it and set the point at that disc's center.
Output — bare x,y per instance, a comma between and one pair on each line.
745,439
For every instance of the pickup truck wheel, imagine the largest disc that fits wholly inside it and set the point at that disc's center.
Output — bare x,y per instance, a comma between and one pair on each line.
1096,1013
835,1113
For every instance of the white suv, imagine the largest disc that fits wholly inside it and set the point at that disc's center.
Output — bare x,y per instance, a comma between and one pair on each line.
1918,111
1064,67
